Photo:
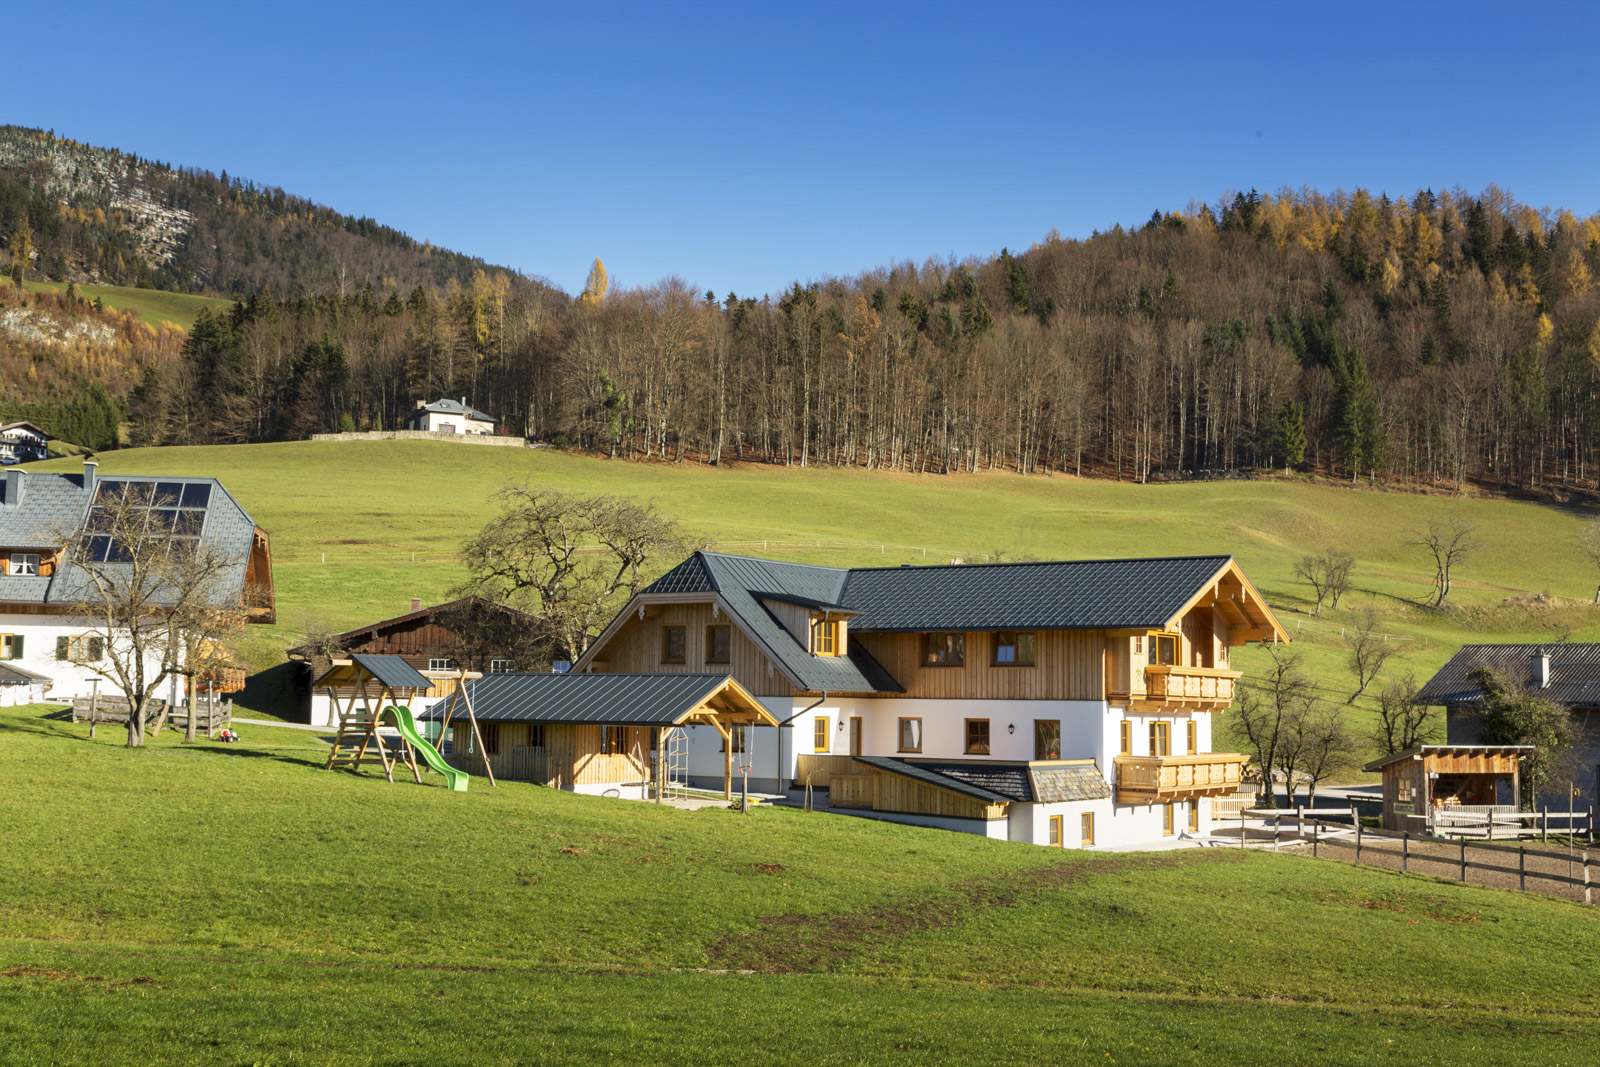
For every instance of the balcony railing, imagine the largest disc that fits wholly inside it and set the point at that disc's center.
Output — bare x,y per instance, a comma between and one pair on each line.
1197,688
1159,779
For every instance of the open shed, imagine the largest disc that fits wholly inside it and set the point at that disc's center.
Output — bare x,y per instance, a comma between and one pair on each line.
1422,783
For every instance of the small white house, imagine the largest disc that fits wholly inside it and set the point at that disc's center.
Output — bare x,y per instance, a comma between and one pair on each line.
449,416
22,442
19,686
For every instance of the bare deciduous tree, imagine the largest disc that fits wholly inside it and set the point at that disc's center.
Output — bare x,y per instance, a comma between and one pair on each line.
1449,540
570,560
1403,722
1328,573
1324,747
1369,650
1268,721
1588,540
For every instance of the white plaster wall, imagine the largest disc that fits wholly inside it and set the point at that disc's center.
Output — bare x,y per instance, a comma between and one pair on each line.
67,679
772,750
1083,726
445,423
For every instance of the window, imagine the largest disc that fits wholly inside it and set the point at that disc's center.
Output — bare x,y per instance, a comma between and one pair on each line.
85,648
1194,816
1127,738
1013,648
536,735
736,734
1161,739
1088,829
1055,830
719,644
1166,819
1194,737
674,644
499,666
10,646
977,737
821,733
1047,739
491,738
613,740
824,638
910,735
23,565
944,650
1163,650
442,663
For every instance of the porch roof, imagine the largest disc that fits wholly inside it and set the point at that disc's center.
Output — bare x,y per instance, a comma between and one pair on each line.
610,699
1426,753
391,671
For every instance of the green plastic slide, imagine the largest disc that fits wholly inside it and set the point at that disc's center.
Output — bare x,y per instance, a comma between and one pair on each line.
456,780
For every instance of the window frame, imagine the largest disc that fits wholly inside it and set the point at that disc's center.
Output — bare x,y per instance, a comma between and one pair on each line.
956,649
499,666
1086,829
711,643
1194,816
1126,738
441,664
1160,639
12,646
900,733
1017,639
80,648
666,644
613,740
738,737
988,738
1193,733
1057,833
1166,819
825,637
822,735
1037,723
1160,738
15,566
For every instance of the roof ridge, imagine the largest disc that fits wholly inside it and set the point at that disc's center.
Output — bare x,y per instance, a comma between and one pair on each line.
1037,562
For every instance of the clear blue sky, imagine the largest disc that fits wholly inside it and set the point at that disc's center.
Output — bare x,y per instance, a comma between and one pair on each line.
742,146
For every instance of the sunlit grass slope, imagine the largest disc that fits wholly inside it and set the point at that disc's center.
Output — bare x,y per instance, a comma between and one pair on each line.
154,306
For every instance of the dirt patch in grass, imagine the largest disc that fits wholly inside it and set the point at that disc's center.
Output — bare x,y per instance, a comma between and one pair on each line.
791,942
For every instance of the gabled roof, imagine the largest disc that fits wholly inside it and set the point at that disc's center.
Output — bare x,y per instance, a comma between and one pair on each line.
391,671
606,699
25,426
1422,752
453,407
349,636
11,674
1574,673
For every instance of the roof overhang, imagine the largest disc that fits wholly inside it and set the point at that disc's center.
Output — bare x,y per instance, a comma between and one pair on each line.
1232,593
1425,752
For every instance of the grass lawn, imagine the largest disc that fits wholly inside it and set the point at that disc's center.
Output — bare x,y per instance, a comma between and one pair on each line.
154,306
358,528
237,904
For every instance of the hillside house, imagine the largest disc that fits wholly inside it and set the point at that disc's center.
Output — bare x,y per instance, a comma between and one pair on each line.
1063,703
41,630
469,634
22,442
449,416
1567,673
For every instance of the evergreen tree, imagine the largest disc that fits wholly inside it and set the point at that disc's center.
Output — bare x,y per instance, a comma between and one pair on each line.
1018,288
1289,435
1358,424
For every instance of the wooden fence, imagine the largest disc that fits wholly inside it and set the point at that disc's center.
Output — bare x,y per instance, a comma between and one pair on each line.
1402,850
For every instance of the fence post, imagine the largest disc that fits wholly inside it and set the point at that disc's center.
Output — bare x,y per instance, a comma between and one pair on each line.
1463,841
1544,824
1522,867
1358,841
1316,832
1275,819
1586,898
1405,851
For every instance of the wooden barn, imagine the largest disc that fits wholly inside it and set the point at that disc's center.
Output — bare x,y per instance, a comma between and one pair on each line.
596,733
1423,788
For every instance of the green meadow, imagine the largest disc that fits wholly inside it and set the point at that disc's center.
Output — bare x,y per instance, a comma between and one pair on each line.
212,903
154,306
358,528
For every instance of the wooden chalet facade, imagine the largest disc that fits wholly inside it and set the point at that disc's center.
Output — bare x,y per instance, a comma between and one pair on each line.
470,634
955,696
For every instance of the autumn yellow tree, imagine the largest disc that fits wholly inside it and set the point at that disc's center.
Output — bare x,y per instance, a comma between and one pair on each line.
594,290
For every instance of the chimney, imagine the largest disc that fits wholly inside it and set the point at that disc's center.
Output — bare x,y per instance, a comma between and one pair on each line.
421,404
90,468
14,487
463,401
416,603
1541,668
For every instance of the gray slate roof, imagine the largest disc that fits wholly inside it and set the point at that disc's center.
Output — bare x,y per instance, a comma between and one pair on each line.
1072,595
52,503
392,671
1574,673
453,407
587,699
1075,781
14,675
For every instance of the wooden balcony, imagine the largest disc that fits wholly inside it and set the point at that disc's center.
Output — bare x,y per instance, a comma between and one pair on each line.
1184,689
1160,779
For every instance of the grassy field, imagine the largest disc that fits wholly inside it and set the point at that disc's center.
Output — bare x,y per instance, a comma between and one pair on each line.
359,528
154,306
237,904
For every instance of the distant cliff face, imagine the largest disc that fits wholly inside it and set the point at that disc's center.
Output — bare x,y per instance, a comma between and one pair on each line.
74,212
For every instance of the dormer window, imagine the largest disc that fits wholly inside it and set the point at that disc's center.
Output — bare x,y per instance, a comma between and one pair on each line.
23,565
824,637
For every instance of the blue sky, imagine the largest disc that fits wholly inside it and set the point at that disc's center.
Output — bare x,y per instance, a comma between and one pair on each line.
744,146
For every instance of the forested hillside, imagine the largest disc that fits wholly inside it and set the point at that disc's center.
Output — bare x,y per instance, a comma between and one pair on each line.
72,212
1445,338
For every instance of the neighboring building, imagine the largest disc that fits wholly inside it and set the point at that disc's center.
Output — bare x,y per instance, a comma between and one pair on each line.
40,587
18,686
22,442
1568,673
1063,703
467,634
449,416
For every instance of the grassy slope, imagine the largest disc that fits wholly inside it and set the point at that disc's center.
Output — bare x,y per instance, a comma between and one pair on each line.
153,305
366,507
238,904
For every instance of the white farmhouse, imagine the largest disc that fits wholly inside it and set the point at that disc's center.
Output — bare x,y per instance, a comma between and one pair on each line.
42,638
22,442
449,416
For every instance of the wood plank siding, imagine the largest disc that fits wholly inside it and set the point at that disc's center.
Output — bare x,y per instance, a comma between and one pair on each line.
570,754
895,793
638,648
1070,665
822,767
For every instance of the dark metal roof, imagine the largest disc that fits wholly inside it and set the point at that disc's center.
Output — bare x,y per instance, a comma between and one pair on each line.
994,783
392,671
1054,783
454,407
421,613
1574,673
14,675
589,699
1070,595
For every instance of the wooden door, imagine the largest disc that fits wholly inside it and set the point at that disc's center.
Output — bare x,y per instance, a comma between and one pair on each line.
855,736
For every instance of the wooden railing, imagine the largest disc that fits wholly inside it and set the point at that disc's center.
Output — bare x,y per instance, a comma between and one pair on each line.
1195,686
1159,779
